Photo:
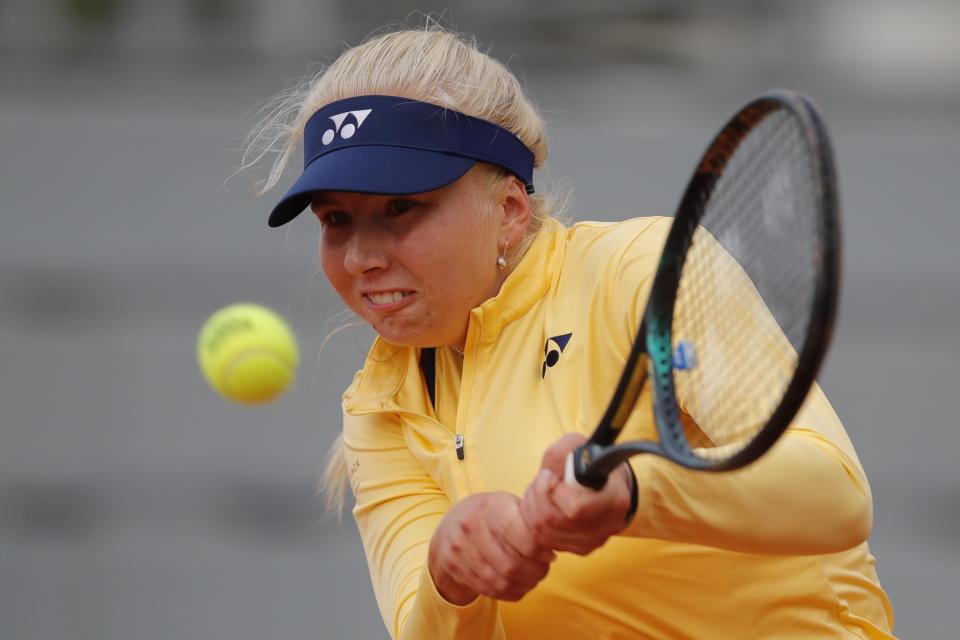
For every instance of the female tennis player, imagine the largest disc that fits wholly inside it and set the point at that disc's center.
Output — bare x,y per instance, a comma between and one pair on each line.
501,334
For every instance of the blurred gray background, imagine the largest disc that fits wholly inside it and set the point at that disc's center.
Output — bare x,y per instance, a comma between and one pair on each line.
136,503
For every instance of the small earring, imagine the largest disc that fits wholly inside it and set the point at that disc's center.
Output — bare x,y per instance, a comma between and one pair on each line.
502,260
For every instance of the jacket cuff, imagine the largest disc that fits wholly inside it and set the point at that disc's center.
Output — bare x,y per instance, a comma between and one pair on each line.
634,495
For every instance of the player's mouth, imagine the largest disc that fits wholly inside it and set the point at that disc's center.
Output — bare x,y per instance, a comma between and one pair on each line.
387,300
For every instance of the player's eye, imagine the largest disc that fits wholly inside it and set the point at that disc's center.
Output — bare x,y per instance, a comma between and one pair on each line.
398,206
334,218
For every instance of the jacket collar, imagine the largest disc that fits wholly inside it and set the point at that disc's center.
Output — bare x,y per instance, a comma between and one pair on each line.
385,382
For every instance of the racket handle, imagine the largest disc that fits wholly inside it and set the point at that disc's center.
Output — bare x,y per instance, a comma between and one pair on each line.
569,476
575,477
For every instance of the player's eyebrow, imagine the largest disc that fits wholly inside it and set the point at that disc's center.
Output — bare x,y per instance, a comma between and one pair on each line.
321,199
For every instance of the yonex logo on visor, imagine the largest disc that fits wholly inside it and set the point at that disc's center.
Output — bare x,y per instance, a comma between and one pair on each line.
347,130
396,146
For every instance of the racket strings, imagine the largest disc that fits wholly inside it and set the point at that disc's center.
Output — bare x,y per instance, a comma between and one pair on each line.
778,253
725,359
744,301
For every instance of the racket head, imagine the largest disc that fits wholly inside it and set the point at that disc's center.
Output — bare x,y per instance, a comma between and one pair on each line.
763,205
758,231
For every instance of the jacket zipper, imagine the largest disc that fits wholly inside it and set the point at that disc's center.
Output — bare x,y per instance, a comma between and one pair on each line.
458,444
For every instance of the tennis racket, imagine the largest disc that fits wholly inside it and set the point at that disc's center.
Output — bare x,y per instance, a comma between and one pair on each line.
742,306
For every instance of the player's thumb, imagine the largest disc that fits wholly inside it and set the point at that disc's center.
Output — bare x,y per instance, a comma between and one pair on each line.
555,457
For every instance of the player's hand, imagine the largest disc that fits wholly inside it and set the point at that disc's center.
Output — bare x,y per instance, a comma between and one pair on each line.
575,519
483,547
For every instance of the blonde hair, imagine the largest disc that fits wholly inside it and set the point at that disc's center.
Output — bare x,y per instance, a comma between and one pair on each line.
430,65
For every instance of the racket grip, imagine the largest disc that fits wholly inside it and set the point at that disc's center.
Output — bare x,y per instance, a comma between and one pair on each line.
575,477
569,476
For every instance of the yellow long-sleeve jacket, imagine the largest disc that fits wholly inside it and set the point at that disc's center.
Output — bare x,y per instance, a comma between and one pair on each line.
775,550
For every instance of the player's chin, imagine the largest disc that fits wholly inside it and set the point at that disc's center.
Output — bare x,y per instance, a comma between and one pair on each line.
413,327
403,333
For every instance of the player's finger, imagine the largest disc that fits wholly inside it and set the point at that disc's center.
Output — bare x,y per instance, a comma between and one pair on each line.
516,533
505,568
555,457
611,502
537,508
460,570
551,526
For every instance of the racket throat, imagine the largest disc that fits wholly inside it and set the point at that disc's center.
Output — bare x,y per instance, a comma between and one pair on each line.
592,463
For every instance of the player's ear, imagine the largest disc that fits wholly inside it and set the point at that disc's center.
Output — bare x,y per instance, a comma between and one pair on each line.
517,211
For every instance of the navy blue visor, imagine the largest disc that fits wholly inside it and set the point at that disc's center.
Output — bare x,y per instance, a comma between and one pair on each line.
396,146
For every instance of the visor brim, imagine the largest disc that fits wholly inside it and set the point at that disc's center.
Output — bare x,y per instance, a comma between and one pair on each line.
378,170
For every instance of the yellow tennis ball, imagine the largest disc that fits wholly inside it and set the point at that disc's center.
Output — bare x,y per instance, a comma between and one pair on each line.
248,353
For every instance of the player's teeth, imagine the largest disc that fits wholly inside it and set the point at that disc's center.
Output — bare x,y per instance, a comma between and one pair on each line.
386,298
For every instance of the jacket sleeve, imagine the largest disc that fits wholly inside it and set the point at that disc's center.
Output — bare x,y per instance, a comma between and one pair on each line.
807,495
398,506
